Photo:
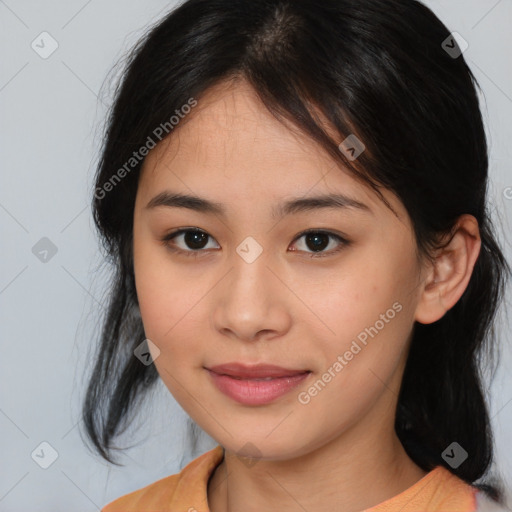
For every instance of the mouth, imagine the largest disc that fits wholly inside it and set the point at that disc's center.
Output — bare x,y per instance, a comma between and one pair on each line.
255,372
255,385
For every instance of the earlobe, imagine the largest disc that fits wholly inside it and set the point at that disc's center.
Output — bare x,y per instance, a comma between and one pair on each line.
449,276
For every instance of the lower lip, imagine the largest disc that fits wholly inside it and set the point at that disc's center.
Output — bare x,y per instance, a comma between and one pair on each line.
256,392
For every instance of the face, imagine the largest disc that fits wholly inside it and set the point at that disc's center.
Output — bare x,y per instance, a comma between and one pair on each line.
244,284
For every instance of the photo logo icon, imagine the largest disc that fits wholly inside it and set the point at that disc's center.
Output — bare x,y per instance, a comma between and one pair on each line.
249,461
454,455
455,45
352,147
44,45
44,250
146,352
44,455
249,250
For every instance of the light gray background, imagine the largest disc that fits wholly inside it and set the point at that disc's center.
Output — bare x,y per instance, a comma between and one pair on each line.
51,121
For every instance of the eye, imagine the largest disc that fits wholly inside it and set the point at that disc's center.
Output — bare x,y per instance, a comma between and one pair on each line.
318,240
196,239
193,238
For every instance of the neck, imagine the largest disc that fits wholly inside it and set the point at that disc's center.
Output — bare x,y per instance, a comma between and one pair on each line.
353,472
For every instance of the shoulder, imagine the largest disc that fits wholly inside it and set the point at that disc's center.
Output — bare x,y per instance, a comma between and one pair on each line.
145,498
184,490
455,494
439,490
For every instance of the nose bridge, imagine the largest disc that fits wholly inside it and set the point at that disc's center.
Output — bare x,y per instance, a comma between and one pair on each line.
250,279
249,300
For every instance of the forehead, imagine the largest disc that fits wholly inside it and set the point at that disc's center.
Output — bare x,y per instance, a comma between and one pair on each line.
230,127
231,146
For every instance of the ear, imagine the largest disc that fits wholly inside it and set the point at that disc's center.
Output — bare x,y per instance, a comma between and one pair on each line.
449,276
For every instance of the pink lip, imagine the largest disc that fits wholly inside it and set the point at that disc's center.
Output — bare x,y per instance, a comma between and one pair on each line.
244,385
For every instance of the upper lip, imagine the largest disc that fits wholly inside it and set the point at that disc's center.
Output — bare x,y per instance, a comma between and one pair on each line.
254,371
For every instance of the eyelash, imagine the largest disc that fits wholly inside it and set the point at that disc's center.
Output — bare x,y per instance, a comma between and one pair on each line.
195,253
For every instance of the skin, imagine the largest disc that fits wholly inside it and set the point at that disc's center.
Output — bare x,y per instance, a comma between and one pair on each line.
340,450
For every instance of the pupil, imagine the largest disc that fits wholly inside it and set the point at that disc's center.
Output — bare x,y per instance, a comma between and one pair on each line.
318,243
194,239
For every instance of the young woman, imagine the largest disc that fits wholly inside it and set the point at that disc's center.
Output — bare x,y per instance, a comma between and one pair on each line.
293,196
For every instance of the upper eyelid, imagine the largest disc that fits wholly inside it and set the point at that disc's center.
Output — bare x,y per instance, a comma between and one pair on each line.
325,231
182,231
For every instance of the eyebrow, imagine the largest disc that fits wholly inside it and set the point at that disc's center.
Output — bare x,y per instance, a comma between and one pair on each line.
199,204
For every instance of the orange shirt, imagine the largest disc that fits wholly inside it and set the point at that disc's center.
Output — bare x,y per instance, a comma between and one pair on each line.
438,491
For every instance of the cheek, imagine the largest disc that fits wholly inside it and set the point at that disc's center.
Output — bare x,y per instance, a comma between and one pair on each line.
159,290
172,307
360,358
355,295
166,316
368,311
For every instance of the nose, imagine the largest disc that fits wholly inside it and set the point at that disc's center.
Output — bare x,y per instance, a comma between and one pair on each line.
251,302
